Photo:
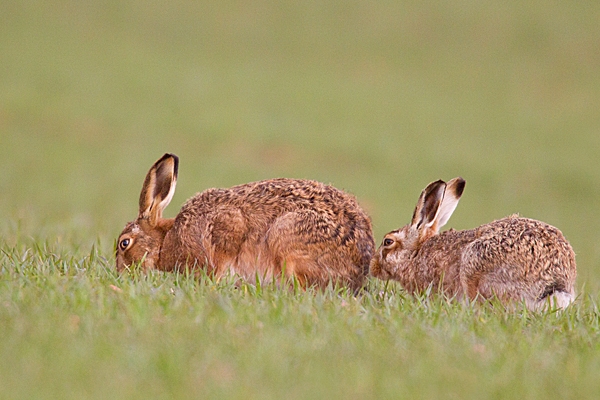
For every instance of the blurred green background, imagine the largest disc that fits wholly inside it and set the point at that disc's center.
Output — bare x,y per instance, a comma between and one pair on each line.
378,98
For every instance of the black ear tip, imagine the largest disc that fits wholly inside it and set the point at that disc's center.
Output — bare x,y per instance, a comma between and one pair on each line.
460,186
175,159
175,164
169,155
435,186
439,186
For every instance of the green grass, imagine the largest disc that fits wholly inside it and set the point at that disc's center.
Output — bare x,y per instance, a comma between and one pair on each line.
73,328
378,98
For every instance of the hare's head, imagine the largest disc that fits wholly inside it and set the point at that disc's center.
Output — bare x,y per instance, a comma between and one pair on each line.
141,240
435,206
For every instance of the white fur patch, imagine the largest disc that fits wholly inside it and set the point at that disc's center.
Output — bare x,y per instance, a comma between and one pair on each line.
557,300
561,299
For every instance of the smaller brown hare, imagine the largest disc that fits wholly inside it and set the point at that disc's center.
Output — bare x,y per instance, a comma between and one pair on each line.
305,229
513,259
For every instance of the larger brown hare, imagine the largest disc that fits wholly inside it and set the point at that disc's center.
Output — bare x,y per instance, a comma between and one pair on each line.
515,259
301,228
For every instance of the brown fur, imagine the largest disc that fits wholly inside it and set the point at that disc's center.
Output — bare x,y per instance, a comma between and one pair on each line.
310,230
513,259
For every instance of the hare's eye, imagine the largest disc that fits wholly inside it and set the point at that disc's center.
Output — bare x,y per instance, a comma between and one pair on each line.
124,243
388,242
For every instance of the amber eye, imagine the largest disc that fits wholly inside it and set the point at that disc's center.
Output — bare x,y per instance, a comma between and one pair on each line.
124,244
388,242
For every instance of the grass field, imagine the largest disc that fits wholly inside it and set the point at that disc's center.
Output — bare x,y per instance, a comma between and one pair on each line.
378,98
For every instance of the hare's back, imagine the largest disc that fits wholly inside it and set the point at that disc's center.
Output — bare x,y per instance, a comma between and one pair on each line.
520,234
275,197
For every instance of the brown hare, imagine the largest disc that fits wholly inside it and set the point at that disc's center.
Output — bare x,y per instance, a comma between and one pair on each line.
514,259
301,228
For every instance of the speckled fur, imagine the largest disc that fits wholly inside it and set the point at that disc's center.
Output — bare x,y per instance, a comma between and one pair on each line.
514,259
310,230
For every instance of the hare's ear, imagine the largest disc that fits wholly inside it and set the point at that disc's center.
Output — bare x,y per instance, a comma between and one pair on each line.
158,188
428,205
452,194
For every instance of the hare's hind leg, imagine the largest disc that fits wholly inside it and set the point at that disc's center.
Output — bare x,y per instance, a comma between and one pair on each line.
485,280
506,283
509,281
508,274
304,244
